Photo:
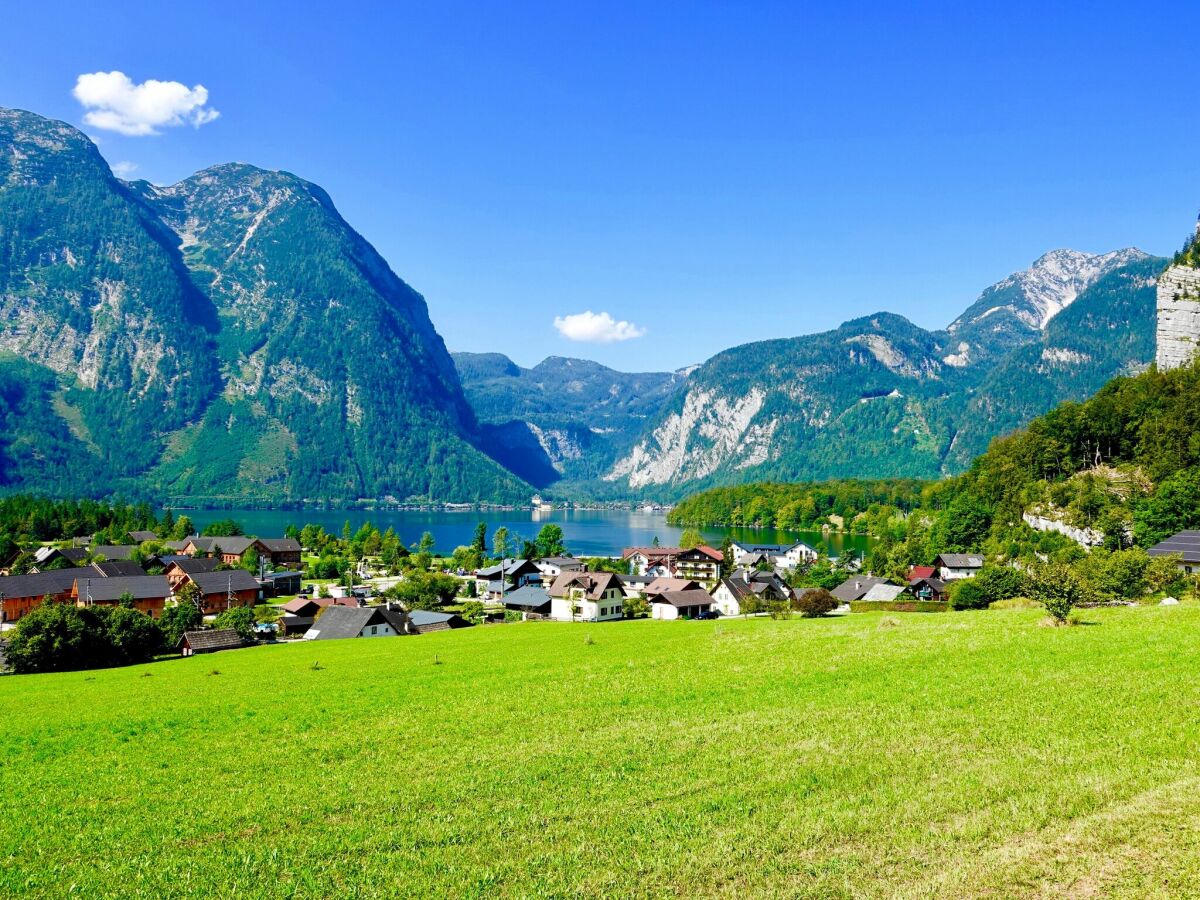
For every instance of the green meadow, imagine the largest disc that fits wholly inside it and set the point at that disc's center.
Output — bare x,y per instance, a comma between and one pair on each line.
949,755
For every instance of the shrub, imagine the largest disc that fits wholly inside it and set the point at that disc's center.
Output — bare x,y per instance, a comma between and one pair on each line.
636,607
1060,589
815,603
240,619
966,594
59,637
1000,583
472,611
779,609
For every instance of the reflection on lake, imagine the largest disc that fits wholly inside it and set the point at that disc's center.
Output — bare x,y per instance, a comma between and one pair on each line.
587,532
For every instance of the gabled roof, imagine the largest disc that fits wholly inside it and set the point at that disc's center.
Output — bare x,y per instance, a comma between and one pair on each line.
194,565
593,583
527,596
219,639
280,545
961,560
562,562
511,567
115,551
855,588
340,622
39,584
702,552
1186,544
306,605
662,585
138,536
651,552
424,618
234,544
681,599
936,584
73,555
884,591
107,590
117,567
220,582
922,572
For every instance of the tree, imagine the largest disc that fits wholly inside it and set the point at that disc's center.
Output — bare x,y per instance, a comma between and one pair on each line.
240,619
183,616
690,538
480,542
815,603
57,637
500,542
183,529
425,590
188,594
655,543
550,541
132,636
221,528
636,608
779,609
750,604
426,544
1059,589
967,593
250,560
472,611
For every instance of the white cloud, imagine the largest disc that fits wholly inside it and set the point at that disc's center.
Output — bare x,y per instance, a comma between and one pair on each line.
115,103
124,168
596,328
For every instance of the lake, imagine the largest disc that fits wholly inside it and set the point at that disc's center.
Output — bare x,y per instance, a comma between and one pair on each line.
587,532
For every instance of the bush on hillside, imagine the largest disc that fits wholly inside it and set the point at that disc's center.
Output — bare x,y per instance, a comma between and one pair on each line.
966,594
815,603
59,637
1060,589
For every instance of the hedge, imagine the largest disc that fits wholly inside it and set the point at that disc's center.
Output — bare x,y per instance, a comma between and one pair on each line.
899,606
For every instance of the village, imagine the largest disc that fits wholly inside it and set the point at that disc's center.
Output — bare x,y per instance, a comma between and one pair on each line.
235,591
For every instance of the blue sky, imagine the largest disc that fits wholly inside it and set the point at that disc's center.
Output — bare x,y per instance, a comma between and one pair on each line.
710,173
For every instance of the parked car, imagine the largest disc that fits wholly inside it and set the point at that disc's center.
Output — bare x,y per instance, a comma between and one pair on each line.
710,614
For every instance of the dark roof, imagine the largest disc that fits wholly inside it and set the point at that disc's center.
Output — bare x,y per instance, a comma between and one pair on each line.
139,536
1186,544
75,554
561,561
422,619
594,583
681,599
174,545
339,622
961,560
219,639
511,567
855,588
39,584
115,551
272,576
935,584
194,565
304,605
227,580
124,567
236,545
106,590
290,622
280,545
527,596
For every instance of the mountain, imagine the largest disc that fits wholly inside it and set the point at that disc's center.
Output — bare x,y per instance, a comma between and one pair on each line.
564,418
880,397
230,336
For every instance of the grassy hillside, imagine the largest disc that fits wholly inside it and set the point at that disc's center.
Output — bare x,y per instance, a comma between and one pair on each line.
952,755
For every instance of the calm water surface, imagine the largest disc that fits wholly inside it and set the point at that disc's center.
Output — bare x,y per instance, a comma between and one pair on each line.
587,532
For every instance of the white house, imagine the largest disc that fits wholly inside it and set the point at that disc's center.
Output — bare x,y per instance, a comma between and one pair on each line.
953,566
553,566
778,556
587,597
338,622
680,604
732,591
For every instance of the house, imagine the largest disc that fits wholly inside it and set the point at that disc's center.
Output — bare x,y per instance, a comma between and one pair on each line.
232,550
149,592
587,597
422,621
952,566
928,588
114,551
855,588
280,584
553,566
22,594
516,572
531,601
224,590
178,570
279,551
210,641
125,568
680,604
635,585
884,592
922,572
662,585
1185,545
651,560
139,537
763,586
341,622
45,557
701,564
776,556
295,625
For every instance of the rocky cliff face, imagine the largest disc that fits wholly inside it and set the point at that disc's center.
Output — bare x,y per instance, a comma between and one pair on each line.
1178,331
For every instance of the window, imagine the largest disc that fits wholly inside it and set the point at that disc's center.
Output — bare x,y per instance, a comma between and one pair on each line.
374,629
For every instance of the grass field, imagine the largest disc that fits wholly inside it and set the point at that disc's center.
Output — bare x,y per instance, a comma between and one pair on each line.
952,755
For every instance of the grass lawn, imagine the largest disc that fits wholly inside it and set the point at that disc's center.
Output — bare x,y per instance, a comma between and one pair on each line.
954,755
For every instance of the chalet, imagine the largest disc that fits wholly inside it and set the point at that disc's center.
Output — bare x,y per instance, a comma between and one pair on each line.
229,550
122,568
921,572
651,560
306,606
1185,546
530,601
928,588
22,594
422,621
587,597
662,585
47,557
855,588
884,592
140,537
509,575
280,584
279,551
210,641
701,564
553,566
776,556
149,592
342,622
181,567
224,590
687,604
952,566
114,551
733,591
